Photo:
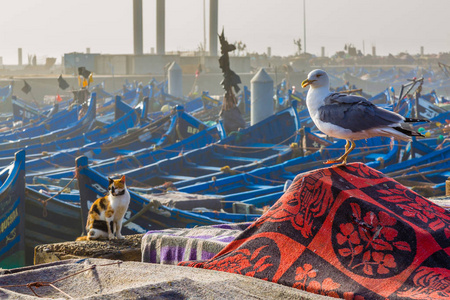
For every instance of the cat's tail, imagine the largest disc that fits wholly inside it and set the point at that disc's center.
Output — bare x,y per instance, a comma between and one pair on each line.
93,234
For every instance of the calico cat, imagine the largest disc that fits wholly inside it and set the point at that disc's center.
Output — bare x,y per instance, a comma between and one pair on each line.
106,213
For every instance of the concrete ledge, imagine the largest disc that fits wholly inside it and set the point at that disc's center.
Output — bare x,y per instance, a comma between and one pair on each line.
128,249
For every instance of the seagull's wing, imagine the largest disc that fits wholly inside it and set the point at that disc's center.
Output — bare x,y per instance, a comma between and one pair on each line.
356,113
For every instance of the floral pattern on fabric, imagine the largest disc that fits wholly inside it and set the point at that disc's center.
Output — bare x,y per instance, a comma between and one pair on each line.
370,244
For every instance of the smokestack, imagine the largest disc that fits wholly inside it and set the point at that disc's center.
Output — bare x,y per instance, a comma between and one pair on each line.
323,51
422,50
374,51
160,24
19,53
213,24
137,27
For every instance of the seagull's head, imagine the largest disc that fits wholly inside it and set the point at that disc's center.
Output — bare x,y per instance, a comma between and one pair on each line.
316,79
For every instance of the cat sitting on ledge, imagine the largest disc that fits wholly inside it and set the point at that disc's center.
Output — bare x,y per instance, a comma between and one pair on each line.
106,214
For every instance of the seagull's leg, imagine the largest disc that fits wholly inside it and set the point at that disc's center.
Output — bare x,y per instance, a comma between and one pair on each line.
344,161
340,159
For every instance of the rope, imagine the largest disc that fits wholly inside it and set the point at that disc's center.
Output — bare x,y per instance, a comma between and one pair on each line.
139,184
135,159
44,202
439,147
415,168
420,174
226,146
119,143
152,204
227,169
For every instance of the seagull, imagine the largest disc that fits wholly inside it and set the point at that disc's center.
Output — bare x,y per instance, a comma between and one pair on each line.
351,117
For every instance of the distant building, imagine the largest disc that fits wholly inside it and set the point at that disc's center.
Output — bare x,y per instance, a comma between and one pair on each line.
154,64
74,60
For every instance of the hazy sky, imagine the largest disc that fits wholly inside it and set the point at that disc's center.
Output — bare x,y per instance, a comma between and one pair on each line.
50,28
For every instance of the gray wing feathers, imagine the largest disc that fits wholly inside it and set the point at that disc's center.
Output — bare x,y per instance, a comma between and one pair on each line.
343,98
355,113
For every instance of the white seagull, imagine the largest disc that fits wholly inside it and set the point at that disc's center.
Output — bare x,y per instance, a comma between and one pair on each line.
350,117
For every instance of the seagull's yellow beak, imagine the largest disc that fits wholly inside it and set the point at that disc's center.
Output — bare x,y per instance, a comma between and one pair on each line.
306,82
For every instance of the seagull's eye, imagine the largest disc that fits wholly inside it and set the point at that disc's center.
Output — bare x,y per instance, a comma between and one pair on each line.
318,75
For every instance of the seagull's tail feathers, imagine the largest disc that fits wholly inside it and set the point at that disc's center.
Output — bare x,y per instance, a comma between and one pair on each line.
410,120
396,132
406,132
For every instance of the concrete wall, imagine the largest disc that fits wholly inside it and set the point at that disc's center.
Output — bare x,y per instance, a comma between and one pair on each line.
239,64
127,64
74,60
133,65
104,64
152,64
189,64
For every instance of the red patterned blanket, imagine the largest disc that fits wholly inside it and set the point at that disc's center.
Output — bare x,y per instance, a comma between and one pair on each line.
346,232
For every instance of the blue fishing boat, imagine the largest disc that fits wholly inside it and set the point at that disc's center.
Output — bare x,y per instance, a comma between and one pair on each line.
12,222
29,218
164,137
184,172
72,127
38,124
242,195
430,169
272,140
97,134
270,179
142,214
22,111
49,219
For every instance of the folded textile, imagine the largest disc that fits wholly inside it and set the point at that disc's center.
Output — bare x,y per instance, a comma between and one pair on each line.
347,232
170,246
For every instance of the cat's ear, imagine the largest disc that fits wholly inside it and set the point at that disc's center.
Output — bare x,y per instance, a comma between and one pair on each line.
110,180
122,179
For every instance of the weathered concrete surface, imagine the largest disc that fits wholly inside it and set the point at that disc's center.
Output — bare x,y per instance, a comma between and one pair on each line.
128,249
106,279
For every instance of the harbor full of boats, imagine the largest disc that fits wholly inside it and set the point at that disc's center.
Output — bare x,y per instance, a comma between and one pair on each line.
181,166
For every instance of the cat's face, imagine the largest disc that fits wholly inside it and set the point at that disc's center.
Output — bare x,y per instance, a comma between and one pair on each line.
117,186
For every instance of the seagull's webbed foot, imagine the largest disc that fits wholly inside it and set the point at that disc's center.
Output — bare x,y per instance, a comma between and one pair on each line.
343,163
334,161
349,146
